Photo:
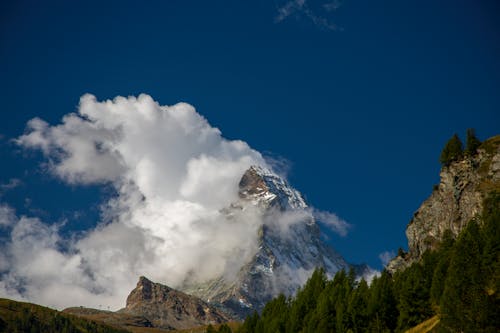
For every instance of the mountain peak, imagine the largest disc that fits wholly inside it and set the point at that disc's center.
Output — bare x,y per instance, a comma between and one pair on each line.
290,247
263,187
168,308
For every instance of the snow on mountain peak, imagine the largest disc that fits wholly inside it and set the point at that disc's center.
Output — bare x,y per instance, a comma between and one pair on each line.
262,186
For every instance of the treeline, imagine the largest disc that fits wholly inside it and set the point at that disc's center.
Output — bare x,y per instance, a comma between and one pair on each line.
18,317
454,148
459,282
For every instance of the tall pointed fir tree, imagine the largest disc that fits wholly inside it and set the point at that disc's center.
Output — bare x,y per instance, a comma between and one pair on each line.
452,151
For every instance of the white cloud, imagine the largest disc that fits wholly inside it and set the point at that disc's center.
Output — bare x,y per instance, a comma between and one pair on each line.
332,221
7,215
172,173
386,256
302,9
11,184
290,8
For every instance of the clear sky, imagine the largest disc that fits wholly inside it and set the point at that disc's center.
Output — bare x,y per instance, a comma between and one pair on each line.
357,97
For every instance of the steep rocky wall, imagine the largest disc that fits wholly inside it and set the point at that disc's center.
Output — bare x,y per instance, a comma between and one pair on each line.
454,202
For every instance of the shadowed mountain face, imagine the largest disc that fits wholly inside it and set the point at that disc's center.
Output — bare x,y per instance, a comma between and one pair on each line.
168,308
290,247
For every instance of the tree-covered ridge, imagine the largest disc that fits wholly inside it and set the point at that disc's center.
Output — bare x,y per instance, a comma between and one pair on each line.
459,282
18,317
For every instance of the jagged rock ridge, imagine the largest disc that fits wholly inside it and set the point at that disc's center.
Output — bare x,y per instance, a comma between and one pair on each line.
287,252
168,308
454,202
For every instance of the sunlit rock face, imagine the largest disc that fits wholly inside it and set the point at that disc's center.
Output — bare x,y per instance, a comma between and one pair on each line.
453,203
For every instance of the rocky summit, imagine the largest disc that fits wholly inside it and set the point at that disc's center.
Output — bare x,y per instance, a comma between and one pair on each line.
455,201
290,247
168,308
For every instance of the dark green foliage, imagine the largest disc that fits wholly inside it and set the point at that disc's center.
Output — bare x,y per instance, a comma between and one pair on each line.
452,151
459,281
441,268
224,329
211,329
275,314
413,296
471,143
382,307
250,324
470,297
463,285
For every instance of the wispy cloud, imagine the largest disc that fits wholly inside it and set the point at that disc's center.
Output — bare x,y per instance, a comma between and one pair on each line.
386,256
332,6
11,184
301,9
331,220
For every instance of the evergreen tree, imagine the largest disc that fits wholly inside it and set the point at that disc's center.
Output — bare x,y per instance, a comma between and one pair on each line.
471,143
224,328
306,300
358,307
414,306
210,329
441,269
382,307
275,315
452,151
464,301
250,324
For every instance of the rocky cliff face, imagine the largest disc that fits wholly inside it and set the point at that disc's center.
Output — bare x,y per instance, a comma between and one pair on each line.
167,308
290,247
454,202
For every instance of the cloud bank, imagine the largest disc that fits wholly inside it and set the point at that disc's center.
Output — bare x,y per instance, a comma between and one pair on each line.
172,174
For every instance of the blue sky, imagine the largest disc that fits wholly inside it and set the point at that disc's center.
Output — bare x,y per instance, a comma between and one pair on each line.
358,97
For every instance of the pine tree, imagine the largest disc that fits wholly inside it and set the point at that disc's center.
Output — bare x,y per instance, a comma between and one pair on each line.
210,329
250,324
464,300
224,328
452,151
471,143
358,307
414,306
382,307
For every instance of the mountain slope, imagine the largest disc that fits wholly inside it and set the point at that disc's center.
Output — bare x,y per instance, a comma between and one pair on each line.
27,317
168,308
454,202
290,247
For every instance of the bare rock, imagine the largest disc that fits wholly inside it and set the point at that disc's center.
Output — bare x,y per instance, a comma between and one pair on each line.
168,308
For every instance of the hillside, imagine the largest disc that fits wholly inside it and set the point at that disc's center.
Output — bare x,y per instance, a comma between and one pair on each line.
26,317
